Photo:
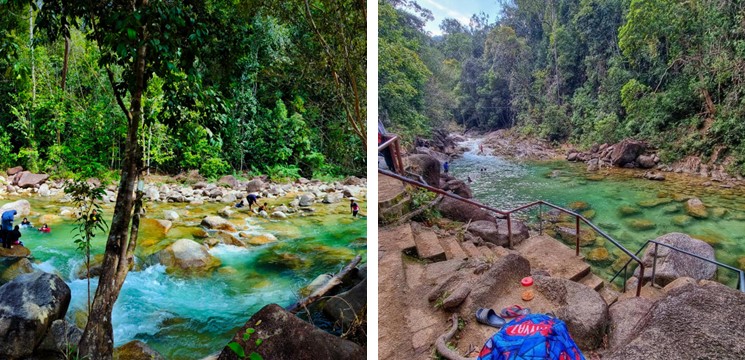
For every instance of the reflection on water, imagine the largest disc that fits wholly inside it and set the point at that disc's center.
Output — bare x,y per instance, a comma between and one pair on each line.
506,184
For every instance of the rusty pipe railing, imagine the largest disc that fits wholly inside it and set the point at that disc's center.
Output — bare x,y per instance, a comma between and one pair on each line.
740,274
393,145
508,215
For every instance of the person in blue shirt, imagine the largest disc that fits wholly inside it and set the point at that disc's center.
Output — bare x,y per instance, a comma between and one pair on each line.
446,166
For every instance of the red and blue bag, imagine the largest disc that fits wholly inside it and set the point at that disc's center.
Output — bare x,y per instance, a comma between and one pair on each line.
529,337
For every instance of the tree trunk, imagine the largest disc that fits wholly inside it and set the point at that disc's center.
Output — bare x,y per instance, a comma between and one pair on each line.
97,341
31,46
65,62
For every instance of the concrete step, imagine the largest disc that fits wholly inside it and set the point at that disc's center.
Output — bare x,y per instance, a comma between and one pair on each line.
592,281
547,253
400,238
452,248
471,250
428,246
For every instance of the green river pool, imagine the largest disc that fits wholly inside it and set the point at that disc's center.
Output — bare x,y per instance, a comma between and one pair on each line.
190,317
619,201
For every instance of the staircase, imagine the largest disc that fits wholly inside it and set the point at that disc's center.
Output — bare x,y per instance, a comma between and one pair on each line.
393,199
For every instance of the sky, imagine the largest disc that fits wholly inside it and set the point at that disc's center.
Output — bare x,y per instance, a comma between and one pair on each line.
458,9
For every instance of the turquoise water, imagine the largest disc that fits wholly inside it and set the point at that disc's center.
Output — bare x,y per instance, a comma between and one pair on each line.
189,317
506,184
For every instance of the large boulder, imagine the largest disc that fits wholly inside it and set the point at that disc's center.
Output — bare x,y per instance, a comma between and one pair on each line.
14,170
458,187
254,185
26,179
626,152
645,161
425,166
285,336
460,211
228,180
187,255
580,306
674,264
28,306
692,322
333,197
21,206
218,223
136,350
61,337
307,199
349,306
497,232
170,215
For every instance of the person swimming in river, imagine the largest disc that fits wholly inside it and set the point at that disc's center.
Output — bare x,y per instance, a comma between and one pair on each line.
45,229
25,223
264,207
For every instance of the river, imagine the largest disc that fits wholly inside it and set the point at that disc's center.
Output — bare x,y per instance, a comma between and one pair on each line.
620,200
189,317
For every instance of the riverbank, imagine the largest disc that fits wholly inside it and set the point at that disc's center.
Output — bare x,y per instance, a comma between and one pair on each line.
256,258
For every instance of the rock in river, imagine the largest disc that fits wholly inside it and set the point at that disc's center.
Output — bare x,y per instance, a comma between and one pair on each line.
28,306
696,208
673,264
187,255
216,222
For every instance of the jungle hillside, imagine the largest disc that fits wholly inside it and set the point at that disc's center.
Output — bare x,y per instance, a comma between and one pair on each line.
221,87
667,72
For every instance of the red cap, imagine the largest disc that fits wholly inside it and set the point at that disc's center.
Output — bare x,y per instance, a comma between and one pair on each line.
527,281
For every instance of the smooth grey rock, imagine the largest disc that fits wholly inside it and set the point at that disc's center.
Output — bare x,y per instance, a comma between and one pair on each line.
673,264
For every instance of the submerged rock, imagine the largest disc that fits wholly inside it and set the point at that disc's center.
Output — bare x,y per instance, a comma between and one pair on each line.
641,224
579,206
696,208
682,220
599,254
627,210
261,239
654,202
28,306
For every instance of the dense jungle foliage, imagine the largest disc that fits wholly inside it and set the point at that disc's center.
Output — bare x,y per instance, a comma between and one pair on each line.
670,72
266,86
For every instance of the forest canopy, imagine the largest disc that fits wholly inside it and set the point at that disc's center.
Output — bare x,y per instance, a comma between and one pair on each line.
667,72
253,86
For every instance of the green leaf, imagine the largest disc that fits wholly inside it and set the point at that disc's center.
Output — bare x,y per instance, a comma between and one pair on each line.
255,356
259,341
237,349
131,34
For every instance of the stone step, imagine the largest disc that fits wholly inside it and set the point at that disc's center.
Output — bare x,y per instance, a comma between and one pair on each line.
452,248
609,295
487,253
428,246
400,238
547,253
471,250
592,281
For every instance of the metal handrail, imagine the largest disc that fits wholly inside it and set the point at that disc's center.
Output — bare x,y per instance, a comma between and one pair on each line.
741,274
393,144
508,214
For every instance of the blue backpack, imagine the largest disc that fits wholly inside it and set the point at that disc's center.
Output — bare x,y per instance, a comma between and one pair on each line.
533,336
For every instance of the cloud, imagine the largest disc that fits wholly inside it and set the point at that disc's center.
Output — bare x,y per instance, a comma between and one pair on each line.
465,19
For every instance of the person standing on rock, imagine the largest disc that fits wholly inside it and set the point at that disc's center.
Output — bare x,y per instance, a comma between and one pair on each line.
354,206
7,227
446,166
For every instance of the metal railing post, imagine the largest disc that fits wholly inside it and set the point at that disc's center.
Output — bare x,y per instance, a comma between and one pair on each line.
509,228
742,281
540,219
654,264
577,229
625,274
640,283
